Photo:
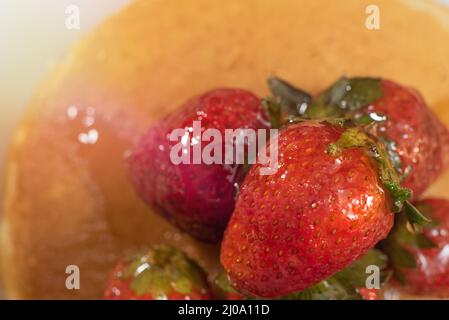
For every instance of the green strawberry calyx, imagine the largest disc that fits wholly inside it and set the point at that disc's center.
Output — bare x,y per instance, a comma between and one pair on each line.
293,100
274,110
345,96
403,237
286,101
163,270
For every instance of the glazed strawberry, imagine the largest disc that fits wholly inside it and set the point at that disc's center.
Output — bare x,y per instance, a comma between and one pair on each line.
421,260
162,273
413,133
417,141
198,197
325,207
348,284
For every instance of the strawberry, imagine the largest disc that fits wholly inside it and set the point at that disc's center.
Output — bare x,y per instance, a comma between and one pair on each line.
347,284
329,202
198,198
420,259
418,143
161,273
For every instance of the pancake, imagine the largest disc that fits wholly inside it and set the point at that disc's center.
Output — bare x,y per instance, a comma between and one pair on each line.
67,197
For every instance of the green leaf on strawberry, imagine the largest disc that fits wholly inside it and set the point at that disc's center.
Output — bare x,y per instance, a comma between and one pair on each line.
163,270
404,236
147,280
414,216
293,100
274,109
344,96
393,154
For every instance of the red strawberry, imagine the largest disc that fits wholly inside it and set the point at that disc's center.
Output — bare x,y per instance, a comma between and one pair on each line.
413,133
423,268
198,198
162,273
324,208
347,284
417,141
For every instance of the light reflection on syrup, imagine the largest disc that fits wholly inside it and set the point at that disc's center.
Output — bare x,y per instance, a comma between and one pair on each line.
72,112
91,137
87,118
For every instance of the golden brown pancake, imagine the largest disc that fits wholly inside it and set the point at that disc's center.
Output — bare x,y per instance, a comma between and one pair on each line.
68,200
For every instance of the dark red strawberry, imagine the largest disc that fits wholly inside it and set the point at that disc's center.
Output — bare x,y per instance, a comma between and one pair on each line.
325,207
418,143
199,198
162,273
421,260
